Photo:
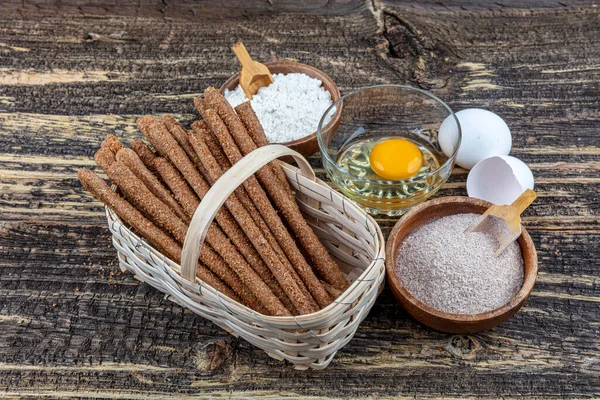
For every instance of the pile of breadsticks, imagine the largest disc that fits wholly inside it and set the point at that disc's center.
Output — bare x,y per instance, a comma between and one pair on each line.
259,250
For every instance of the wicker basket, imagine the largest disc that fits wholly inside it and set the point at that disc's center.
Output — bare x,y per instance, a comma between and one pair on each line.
307,341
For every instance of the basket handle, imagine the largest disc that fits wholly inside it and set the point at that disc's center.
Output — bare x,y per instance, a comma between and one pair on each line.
220,192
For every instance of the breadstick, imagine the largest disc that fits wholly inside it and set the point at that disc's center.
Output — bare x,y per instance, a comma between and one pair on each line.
135,164
180,135
273,225
201,134
288,207
333,292
135,190
256,132
200,128
181,190
304,304
143,152
112,143
261,200
163,242
168,147
252,124
104,157
213,260
215,171
190,202
223,271
145,201
249,119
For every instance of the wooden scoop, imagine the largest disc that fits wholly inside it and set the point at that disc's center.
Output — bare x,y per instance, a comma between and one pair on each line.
511,214
254,75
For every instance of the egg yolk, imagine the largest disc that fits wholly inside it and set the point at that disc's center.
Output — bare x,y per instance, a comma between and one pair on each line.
396,159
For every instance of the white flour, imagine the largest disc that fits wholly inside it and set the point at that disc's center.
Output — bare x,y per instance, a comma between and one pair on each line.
289,108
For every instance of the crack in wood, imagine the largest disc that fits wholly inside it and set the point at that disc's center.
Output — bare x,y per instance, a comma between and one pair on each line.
410,53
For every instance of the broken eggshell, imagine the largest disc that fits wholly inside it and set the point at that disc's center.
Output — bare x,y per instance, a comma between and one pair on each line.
499,179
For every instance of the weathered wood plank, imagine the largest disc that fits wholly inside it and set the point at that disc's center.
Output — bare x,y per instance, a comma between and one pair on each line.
197,10
83,318
46,188
187,58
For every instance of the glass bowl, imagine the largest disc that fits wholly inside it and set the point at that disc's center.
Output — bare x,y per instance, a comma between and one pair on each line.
375,113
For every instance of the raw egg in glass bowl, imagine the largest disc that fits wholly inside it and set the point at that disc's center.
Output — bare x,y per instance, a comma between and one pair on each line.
384,152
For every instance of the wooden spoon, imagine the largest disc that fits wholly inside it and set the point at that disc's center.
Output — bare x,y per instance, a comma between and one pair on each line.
511,214
254,75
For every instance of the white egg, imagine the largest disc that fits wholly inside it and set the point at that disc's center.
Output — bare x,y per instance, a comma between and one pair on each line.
484,134
499,179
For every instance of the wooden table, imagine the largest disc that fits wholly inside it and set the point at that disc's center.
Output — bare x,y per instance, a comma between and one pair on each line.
71,324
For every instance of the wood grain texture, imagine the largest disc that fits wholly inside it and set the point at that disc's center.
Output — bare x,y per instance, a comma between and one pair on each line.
72,325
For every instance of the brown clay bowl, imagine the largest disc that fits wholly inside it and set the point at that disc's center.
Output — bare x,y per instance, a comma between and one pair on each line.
307,145
440,320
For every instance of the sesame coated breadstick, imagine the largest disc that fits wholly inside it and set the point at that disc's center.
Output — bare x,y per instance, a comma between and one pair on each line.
135,190
190,202
163,242
256,132
333,292
252,190
199,127
143,152
248,118
179,187
216,263
201,134
135,164
144,200
283,237
304,304
168,147
104,157
215,172
180,135
112,143
288,207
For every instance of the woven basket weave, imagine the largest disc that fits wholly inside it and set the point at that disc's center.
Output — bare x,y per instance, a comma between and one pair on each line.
307,341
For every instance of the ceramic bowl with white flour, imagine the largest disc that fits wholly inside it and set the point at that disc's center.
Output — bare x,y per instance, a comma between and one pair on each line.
291,105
